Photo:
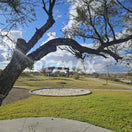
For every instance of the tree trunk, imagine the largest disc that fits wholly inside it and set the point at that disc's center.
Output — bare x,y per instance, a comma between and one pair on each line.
11,73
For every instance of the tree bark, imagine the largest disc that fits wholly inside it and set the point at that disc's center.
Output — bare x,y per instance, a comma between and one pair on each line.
11,73
19,59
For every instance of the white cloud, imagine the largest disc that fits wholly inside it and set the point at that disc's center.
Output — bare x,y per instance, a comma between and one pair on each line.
73,24
59,16
3,56
7,45
3,64
51,35
38,66
11,40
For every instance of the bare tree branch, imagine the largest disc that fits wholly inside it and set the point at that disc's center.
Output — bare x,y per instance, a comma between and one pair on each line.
105,21
51,5
39,32
74,52
68,49
11,3
86,36
4,1
100,39
118,41
44,7
51,45
114,42
115,56
123,6
113,32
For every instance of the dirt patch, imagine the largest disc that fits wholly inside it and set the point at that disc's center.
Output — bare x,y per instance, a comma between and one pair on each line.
16,94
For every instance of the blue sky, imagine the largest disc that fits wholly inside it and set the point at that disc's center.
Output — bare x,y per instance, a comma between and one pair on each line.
60,15
59,58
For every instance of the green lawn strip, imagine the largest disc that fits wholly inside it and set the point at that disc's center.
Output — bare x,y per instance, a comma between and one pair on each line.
83,82
108,109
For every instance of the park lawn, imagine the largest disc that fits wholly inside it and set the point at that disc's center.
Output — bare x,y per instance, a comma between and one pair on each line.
108,109
83,82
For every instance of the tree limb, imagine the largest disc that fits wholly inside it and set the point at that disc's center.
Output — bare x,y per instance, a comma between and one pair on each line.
44,7
115,56
51,45
51,5
108,21
105,21
96,32
39,32
88,36
117,41
123,6
4,1
11,3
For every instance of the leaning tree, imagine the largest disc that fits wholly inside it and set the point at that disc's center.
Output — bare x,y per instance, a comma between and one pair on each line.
94,19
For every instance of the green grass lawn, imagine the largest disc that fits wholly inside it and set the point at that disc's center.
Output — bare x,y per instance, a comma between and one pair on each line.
83,82
109,109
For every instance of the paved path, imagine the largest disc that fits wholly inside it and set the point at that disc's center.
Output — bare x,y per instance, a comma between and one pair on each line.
117,84
47,124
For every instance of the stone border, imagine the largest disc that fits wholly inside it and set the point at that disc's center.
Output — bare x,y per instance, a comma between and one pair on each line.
47,89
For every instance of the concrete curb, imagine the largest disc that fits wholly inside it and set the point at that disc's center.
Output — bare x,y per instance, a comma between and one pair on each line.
47,124
85,92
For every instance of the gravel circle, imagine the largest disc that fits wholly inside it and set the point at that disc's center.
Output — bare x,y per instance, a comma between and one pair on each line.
60,92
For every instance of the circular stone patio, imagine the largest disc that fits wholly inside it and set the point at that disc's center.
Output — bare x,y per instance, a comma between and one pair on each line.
60,92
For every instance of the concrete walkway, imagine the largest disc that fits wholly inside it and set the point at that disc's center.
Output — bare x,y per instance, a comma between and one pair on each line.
47,124
117,84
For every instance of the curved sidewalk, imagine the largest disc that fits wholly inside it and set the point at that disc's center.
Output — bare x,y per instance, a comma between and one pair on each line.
47,124
116,84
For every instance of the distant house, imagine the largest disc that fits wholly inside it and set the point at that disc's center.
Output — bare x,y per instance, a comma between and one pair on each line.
50,70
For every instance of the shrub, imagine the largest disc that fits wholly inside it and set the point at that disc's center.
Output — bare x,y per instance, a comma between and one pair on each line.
76,76
115,79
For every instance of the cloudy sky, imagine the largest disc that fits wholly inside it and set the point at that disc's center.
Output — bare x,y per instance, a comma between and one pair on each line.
91,64
61,57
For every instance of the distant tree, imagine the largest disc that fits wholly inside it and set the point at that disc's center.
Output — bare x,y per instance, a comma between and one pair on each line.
106,22
43,70
95,74
76,76
76,69
129,73
95,22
